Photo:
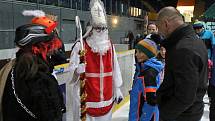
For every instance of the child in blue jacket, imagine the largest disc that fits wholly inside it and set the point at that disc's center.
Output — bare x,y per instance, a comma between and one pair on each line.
143,105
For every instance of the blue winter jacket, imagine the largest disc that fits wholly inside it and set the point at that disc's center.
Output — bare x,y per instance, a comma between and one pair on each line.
140,110
209,40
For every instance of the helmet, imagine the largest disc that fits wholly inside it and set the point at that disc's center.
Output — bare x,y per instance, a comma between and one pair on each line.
198,24
45,21
40,18
31,34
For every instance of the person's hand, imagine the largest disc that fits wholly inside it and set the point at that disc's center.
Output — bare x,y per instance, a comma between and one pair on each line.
210,65
151,98
81,68
118,95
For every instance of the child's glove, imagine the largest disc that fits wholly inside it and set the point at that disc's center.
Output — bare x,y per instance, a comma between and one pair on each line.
118,95
151,98
81,68
210,65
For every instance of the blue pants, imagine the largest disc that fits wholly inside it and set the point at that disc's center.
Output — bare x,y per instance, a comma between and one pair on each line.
148,112
139,109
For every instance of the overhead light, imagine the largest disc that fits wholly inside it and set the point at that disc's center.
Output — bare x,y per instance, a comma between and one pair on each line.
115,21
187,12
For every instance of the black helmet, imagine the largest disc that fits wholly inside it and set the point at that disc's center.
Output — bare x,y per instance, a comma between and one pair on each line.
31,34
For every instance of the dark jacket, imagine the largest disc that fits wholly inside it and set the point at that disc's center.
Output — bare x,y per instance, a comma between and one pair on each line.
180,96
3,78
40,94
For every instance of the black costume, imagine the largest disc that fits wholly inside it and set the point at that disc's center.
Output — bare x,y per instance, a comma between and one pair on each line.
31,92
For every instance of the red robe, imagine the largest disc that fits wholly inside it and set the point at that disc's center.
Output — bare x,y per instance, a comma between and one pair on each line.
99,82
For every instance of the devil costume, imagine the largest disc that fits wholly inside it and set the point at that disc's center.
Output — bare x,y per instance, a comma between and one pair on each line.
31,92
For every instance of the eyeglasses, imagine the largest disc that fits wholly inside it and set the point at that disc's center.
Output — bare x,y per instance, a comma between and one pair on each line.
99,29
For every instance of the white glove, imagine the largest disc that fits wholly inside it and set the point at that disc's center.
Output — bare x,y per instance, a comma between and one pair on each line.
81,68
118,95
54,74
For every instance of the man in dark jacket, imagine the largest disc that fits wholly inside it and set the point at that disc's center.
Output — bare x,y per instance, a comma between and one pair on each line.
180,96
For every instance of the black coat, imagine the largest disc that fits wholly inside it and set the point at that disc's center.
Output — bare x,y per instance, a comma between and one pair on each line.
40,94
180,96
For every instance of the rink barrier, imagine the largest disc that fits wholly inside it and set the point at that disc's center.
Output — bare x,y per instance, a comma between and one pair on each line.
124,101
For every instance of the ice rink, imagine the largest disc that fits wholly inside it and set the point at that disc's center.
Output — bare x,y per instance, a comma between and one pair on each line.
122,113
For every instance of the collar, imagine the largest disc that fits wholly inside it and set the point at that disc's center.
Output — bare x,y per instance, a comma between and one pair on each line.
176,35
201,33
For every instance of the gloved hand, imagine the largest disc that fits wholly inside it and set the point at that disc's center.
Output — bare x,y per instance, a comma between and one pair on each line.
81,68
210,65
151,98
118,95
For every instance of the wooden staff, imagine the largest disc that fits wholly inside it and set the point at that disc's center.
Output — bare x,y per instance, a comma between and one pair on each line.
82,78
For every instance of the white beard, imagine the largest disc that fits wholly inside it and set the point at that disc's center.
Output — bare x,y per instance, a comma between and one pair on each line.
99,42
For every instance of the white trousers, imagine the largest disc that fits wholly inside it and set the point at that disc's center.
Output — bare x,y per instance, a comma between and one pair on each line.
76,107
